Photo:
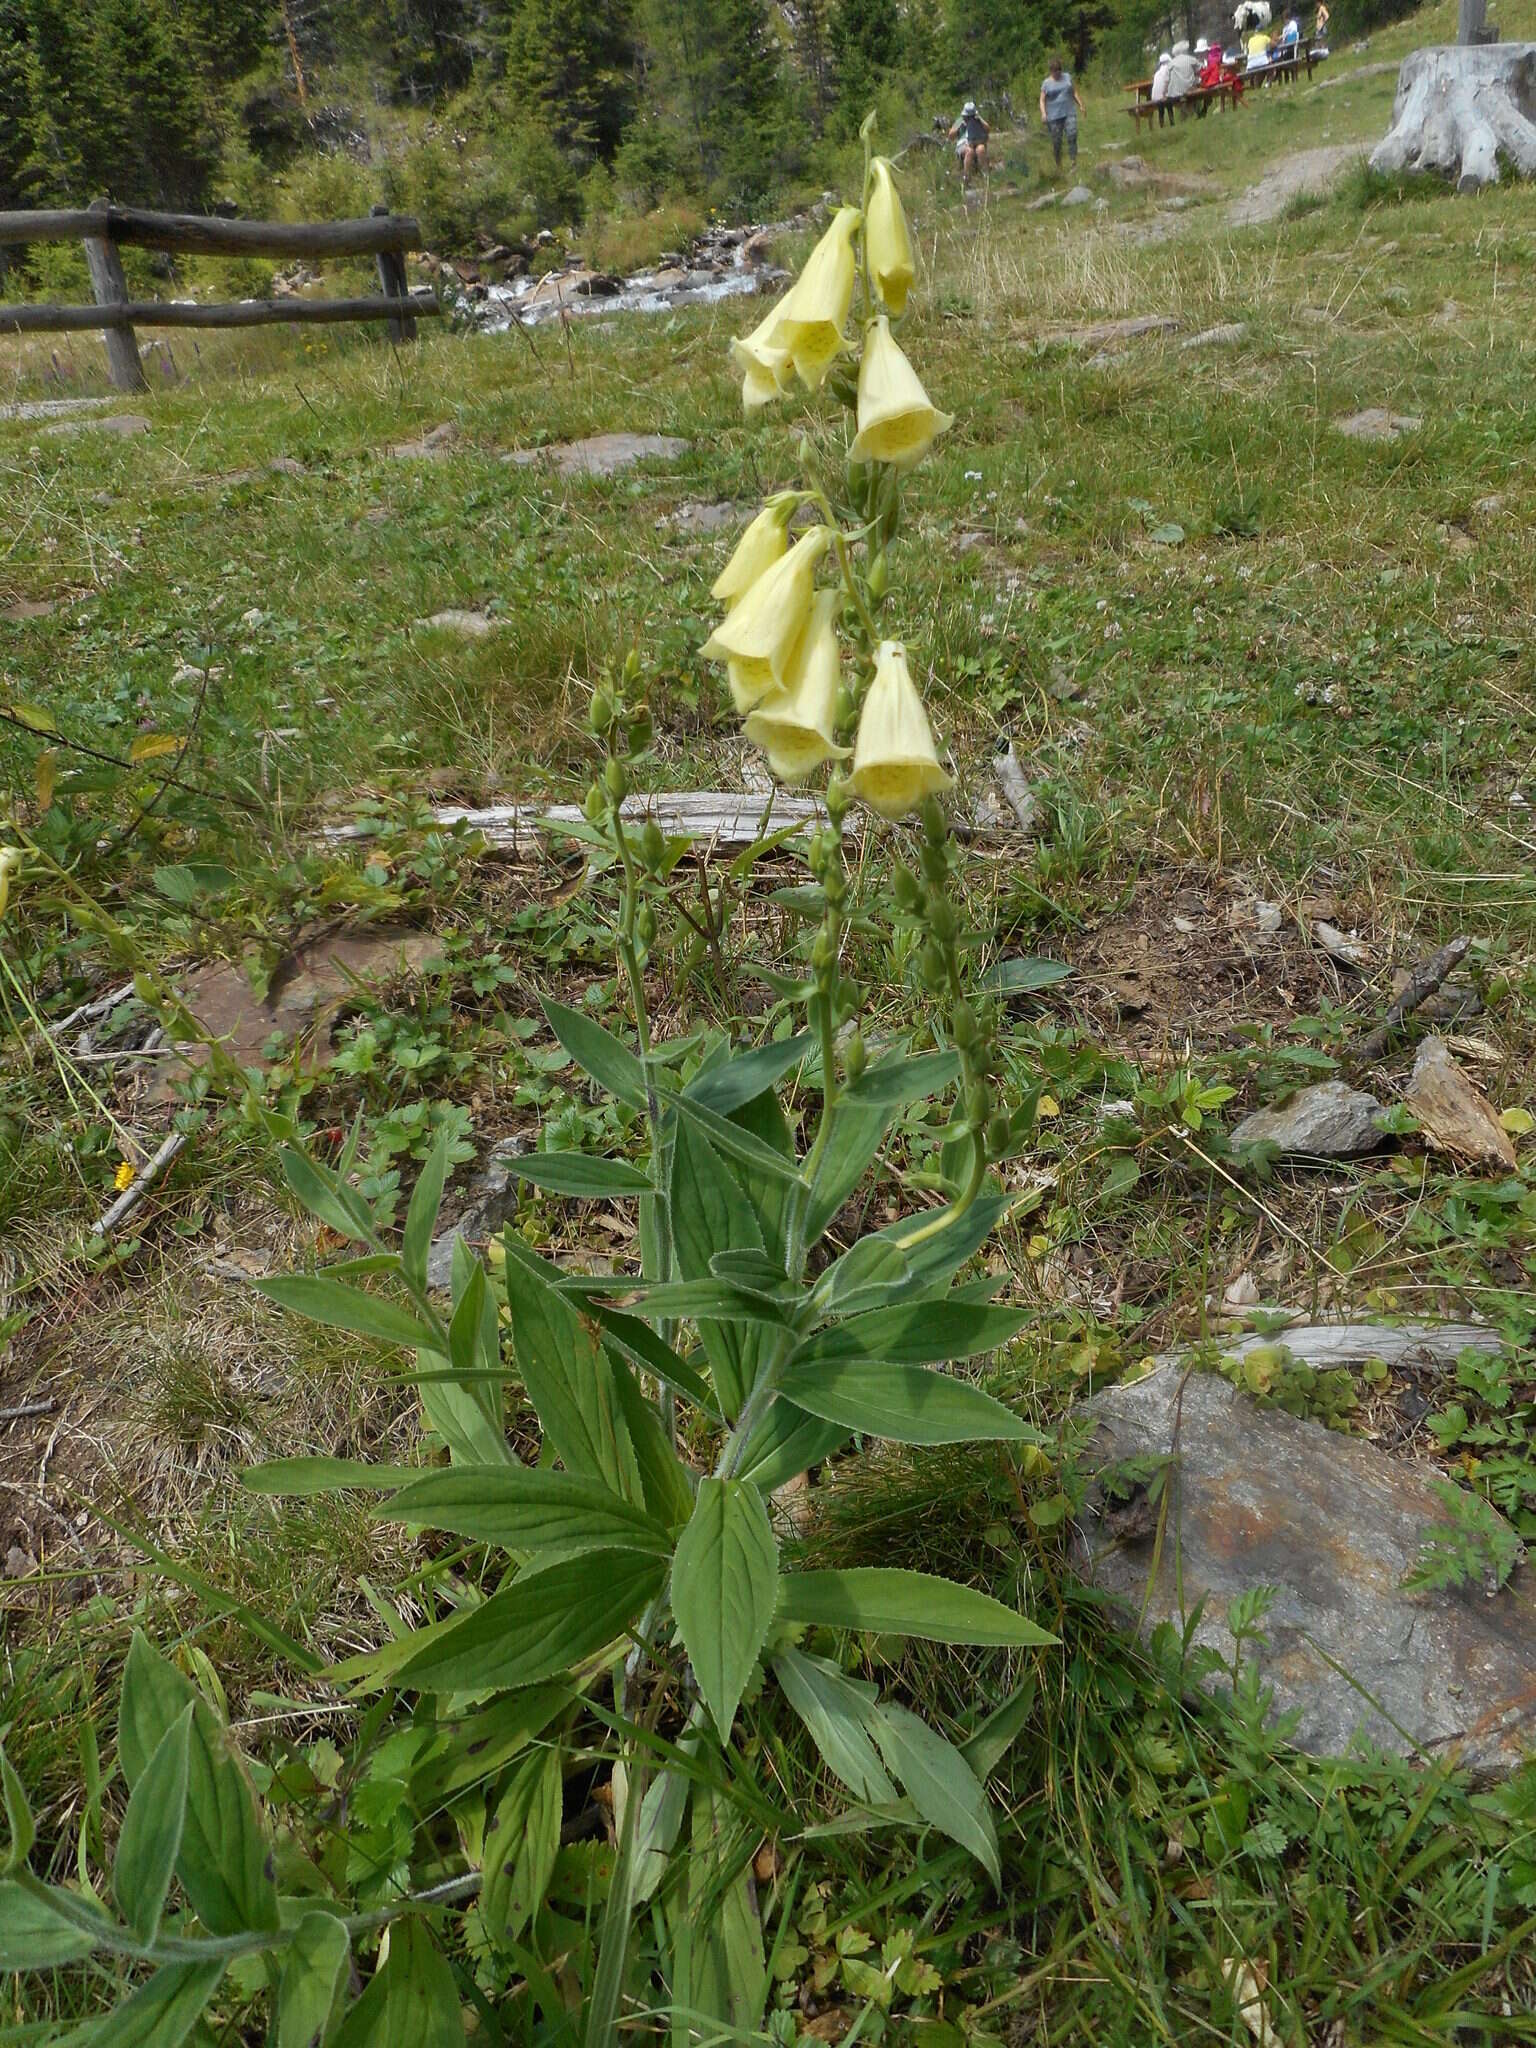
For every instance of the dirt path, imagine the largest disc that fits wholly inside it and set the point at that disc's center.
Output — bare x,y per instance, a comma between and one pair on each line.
1310,171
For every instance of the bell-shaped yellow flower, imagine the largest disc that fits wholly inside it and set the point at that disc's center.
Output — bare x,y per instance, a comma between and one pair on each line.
897,420
814,311
10,864
894,764
757,638
886,239
764,541
797,727
764,368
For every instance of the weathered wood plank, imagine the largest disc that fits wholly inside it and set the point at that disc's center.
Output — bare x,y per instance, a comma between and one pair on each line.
171,313
111,290
721,817
391,267
196,234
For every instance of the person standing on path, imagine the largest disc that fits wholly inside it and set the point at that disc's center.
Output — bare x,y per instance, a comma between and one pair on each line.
1059,109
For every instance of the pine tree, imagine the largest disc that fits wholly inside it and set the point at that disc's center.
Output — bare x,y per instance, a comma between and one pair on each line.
864,38
574,67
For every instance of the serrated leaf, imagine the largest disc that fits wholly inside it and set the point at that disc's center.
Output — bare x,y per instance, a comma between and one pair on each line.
526,1508
711,1213
539,1625
905,1404
312,1967
785,1443
579,1173
521,1847
939,1782
639,1342
837,1711
150,1840
724,1578
341,1307
32,1935
888,1601
21,1829
421,1216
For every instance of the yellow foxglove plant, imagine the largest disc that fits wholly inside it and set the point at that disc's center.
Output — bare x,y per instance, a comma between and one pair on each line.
891,269
617,1602
898,423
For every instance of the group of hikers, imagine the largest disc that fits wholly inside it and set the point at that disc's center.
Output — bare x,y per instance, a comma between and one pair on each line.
1060,106
1180,73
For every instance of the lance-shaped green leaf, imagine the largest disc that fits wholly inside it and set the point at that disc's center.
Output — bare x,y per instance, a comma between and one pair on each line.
665,1484
161,2013
727,1086
303,1478
521,1847
461,1394
915,1333
711,1214
736,1141
33,1936
312,1967
907,1404
341,1307
326,1195
639,1342
21,1830
598,1053
857,1132
412,2002
785,1443
723,1581
525,1507
904,1078
929,1260
421,1216
539,1625
150,1840
887,1601
569,1379
579,1173
837,1711
939,1782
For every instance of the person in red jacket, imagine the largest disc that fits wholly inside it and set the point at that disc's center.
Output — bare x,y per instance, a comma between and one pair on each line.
1210,69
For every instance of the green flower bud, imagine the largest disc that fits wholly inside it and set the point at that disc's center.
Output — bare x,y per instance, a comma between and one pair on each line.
935,971
935,864
615,782
935,824
645,925
594,805
632,665
844,710
942,921
640,732
600,712
963,1026
653,847
855,1058
999,1135
878,578
838,800
978,1104
824,952
907,890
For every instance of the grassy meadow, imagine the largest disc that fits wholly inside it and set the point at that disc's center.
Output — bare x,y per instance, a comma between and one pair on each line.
1243,658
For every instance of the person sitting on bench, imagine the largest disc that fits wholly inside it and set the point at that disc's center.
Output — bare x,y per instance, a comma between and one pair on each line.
1159,93
1183,71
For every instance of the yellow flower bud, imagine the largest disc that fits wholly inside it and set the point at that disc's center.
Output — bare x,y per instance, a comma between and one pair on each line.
886,238
897,419
796,727
758,637
764,368
814,311
10,864
758,549
894,763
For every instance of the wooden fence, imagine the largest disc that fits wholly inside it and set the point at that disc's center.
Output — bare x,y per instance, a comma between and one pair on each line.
104,228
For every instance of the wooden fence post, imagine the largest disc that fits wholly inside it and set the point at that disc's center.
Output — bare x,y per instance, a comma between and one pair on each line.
1471,16
392,283
110,288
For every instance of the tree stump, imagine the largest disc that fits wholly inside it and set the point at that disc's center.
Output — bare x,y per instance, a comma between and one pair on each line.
1459,109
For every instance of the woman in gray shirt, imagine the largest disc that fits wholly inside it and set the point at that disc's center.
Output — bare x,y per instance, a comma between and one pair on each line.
1059,109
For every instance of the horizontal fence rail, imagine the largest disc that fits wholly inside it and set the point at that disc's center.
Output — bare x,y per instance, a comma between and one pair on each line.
104,229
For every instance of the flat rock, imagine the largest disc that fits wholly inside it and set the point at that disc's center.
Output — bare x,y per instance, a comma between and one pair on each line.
1224,335
1329,1120
602,454
1257,1497
471,625
1112,334
28,608
1045,199
428,447
1455,1116
125,424
696,515
1080,195
307,992
1491,507
1377,423
490,1202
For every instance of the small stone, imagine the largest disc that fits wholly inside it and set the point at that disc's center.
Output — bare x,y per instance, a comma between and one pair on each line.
1045,199
471,625
602,454
1377,423
1329,1120
1491,507
286,465
436,442
696,515
1224,335
491,1202
126,424
1078,196
1455,1116
1345,947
